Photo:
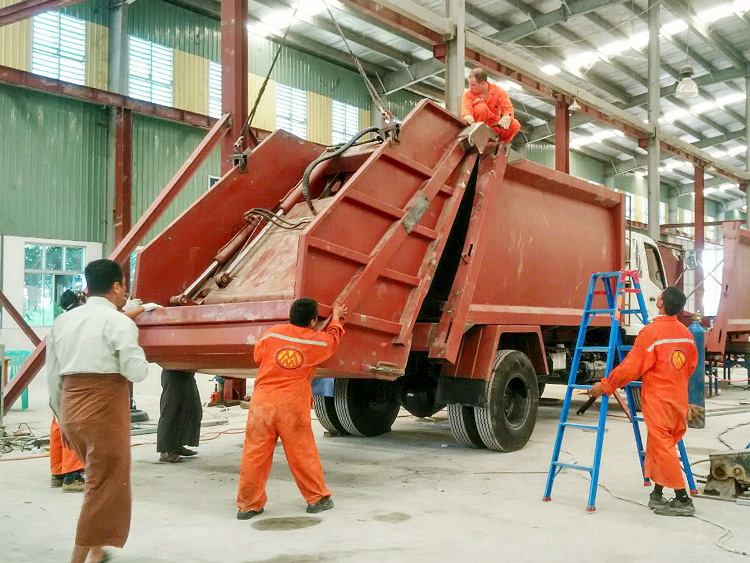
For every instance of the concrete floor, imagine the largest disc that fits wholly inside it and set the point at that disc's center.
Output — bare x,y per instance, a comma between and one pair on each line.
411,495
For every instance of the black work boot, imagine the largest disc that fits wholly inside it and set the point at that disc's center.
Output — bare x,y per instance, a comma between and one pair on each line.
676,507
249,514
74,482
326,503
656,499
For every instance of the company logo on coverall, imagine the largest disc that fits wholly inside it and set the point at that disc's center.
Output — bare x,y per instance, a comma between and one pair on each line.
289,358
679,359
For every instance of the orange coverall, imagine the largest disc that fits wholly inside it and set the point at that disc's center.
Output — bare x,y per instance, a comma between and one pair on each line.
287,356
61,458
665,356
490,111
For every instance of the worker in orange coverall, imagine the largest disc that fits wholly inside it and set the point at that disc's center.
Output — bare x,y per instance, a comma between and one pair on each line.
664,356
489,103
287,356
66,468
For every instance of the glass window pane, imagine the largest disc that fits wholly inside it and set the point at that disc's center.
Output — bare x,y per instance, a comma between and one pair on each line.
74,259
37,299
63,283
54,258
33,257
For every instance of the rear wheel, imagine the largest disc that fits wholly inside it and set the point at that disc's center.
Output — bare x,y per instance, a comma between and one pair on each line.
464,426
365,407
508,420
325,411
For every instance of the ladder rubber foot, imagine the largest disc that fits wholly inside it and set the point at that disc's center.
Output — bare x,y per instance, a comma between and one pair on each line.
647,482
546,499
590,509
693,492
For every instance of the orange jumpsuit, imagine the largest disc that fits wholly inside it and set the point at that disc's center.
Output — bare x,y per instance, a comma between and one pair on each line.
62,459
287,356
664,356
491,110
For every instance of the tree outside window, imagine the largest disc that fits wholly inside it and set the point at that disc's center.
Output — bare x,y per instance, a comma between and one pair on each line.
49,270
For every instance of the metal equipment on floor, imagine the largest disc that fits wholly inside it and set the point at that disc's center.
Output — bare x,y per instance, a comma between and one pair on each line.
624,282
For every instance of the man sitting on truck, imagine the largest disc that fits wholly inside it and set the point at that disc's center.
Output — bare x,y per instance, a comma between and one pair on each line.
287,356
489,103
664,356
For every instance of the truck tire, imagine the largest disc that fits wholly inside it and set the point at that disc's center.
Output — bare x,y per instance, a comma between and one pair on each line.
325,411
365,407
463,426
508,420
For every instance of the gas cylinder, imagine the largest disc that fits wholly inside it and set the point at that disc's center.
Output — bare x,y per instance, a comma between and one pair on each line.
697,383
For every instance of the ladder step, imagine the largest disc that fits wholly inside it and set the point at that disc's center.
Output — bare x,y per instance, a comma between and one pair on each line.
631,312
594,348
600,311
580,386
572,466
607,275
583,426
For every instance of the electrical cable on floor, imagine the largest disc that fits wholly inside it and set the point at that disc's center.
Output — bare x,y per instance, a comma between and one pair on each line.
719,541
719,437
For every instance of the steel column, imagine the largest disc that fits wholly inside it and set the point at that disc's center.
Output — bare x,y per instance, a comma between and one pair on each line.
455,59
123,173
562,137
234,77
699,237
654,92
25,10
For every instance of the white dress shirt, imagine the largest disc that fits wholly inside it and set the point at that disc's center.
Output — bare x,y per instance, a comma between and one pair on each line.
93,338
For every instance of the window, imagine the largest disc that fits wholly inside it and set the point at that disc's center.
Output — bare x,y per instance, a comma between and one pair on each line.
291,110
711,229
629,207
151,72
58,47
48,271
645,210
344,122
214,89
655,272
662,213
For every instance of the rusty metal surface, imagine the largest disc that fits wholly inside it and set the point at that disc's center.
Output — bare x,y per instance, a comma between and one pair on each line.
234,84
549,233
123,172
28,8
733,316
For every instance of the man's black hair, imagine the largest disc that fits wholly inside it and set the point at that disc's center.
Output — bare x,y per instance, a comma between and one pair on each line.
674,300
70,300
101,275
303,311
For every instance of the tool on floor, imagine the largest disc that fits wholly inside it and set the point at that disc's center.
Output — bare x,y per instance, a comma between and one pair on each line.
624,281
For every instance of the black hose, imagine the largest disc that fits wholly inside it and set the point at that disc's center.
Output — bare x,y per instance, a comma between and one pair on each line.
328,156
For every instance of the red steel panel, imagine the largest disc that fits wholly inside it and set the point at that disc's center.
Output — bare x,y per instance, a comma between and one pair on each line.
19,320
733,317
170,262
550,232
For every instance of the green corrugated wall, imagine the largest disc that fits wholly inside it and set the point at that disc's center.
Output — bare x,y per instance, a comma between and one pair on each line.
53,166
159,149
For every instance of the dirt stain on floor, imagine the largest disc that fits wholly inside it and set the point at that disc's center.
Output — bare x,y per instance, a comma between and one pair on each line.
286,524
392,517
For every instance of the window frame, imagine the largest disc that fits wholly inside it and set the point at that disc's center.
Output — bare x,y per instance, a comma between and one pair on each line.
214,89
290,120
143,57
59,53
349,129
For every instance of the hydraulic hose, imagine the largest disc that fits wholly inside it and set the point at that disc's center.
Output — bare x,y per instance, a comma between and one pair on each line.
328,156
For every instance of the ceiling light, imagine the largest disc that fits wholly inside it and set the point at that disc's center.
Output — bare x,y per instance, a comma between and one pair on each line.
725,187
262,29
730,99
575,106
550,69
740,6
639,40
689,139
709,191
313,7
714,14
716,153
734,151
614,48
687,88
673,27
582,60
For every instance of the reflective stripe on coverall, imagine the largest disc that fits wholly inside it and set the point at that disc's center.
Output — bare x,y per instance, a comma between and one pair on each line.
62,459
664,356
287,357
491,110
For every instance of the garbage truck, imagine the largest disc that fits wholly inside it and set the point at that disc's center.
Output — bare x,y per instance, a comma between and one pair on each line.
464,270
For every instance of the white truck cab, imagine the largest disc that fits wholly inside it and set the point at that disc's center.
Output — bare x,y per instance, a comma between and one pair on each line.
642,254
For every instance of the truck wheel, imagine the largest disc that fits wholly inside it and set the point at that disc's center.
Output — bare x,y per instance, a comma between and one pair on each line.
508,420
463,426
325,411
365,407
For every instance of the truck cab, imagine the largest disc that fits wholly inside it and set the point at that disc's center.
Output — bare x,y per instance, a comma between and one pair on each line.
642,254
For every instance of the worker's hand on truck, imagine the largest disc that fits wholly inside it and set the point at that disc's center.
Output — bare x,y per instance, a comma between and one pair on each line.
504,122
339,312
696,414
596,390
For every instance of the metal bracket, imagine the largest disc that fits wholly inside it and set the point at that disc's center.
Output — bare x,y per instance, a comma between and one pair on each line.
239,159
389,130
476,136
385,369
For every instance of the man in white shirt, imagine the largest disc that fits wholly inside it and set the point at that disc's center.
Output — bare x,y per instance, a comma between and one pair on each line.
92,354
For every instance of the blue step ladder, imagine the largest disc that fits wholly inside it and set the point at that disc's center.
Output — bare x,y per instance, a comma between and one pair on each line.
624,281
